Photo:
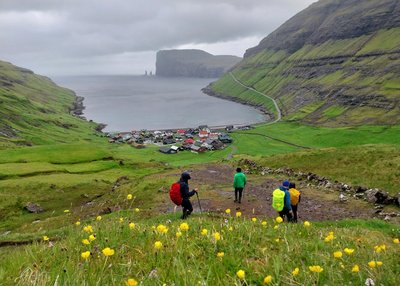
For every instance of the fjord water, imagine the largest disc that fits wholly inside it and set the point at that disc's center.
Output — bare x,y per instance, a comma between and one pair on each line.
127,103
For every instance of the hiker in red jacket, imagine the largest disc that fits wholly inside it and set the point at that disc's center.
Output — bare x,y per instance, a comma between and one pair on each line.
186,194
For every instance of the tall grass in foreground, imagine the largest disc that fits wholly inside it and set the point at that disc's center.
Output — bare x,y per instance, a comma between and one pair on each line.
206,250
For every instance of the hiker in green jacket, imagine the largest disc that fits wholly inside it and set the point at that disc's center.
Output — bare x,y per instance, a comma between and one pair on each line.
239,181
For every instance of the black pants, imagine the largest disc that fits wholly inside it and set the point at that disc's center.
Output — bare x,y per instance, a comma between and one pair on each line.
240,191
187,208
294,209
286,213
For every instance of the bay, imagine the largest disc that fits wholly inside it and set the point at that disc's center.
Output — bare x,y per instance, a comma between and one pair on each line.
128,103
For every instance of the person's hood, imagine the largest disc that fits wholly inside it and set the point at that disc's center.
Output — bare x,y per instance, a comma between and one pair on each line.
185,177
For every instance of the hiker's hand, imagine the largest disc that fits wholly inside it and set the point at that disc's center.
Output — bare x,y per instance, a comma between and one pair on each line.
196,190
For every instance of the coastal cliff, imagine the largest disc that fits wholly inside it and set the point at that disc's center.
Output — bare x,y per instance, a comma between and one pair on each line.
192,63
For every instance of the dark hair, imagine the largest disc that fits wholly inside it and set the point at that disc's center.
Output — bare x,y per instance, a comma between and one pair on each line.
292,185
238,170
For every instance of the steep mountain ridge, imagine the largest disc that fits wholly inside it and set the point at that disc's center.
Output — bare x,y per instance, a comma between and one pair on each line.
335,63
34,110
192,63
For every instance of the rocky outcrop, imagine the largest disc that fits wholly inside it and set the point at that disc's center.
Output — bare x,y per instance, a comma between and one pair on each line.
192,63
33,208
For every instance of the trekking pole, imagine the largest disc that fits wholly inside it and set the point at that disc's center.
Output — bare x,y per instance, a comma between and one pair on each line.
199,202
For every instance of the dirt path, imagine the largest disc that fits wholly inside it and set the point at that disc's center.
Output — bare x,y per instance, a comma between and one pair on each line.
216,195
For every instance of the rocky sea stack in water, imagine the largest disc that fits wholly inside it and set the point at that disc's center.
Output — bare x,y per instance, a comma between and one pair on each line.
335,63
192,63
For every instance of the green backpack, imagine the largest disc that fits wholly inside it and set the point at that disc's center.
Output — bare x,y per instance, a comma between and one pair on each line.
278,200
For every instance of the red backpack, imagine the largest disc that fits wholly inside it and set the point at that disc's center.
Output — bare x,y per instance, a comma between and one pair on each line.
175,193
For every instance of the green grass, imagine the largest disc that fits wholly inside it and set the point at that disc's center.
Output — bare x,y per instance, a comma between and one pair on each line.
192,259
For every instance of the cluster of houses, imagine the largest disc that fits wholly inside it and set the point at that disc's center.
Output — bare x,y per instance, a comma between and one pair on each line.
197,140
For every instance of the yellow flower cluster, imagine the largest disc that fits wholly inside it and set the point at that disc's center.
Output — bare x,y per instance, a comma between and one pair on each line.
355,269
184,226
279,219
178,234
162,229
238,214
264,223
380,248
396,241
254,219
158,245
349,251
220,254
45,238
85,241
337,254
108,251
204,232
92,238
98,218
132,225
228,211
85,255
217,236
373,264
131,282
329,237
240,274
129,197
316,268
88,228
307,223
296,271
78,223
267,279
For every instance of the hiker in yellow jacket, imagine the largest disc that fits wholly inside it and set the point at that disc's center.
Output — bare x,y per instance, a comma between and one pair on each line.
295,197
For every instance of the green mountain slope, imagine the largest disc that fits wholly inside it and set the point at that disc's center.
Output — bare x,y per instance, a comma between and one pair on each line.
335,63
34,110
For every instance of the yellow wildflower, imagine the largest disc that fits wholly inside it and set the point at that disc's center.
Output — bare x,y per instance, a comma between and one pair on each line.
307,223
45,238
92,237
98,218
132,225
329,237
264,223
379,263
355,269
267,279
129,197
277,240
66,211
85,241
204,231
184,226
121,220
372,264
78,223
228,211
108,251
279,219
88,228
316,268
178,234
158,245
396,241
230,228
162,228
349,251
220,254
238,214
85,255
240,274
131,282
296,271
276,227
217,236
254,219
337,254
137,210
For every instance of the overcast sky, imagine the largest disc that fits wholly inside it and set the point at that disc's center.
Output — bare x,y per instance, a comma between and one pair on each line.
75,37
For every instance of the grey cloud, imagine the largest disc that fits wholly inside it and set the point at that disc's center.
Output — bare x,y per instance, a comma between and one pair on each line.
55,36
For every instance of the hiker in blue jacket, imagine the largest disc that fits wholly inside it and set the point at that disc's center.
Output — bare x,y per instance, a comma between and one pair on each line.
287,209
186,194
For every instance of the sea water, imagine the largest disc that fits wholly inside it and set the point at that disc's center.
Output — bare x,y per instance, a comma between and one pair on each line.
128,103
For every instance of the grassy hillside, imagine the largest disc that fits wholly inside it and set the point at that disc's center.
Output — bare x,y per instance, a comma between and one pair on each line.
339,76
34,110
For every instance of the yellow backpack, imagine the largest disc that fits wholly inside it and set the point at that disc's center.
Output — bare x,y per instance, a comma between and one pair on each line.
278,200
294,196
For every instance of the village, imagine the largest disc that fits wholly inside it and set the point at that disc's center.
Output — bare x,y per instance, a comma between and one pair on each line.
196,140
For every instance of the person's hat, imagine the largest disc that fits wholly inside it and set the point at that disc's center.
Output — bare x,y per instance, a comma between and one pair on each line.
185,176
286,184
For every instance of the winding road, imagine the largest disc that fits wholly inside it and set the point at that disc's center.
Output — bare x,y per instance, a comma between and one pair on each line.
263,94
